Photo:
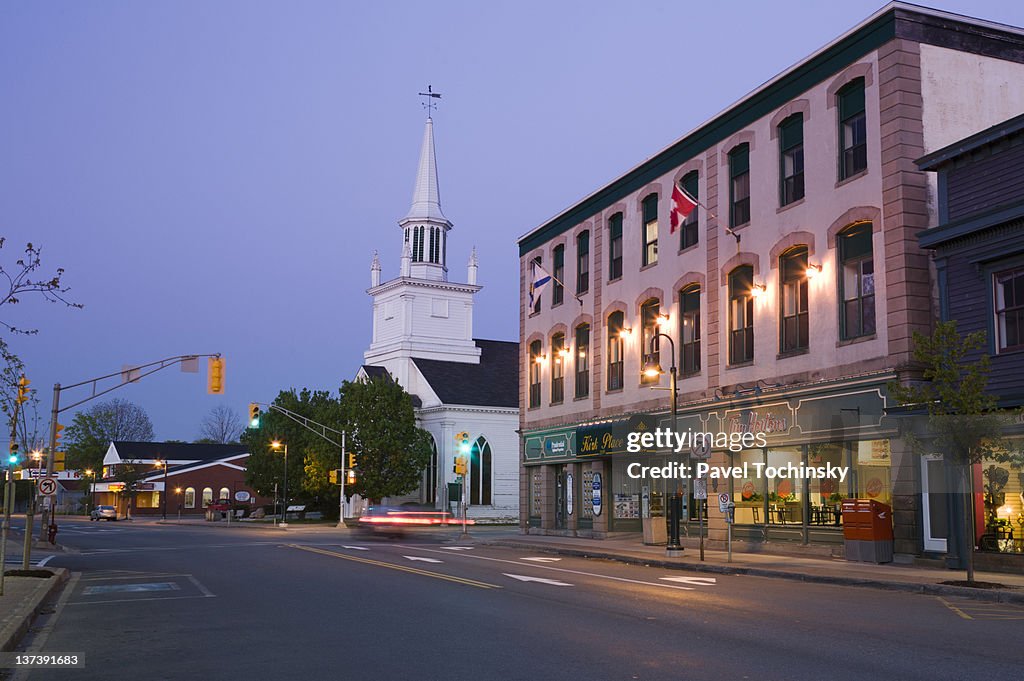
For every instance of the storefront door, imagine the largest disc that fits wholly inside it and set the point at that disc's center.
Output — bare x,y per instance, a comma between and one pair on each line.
561,498
934,500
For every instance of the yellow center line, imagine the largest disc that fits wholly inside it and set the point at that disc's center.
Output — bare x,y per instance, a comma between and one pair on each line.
403,568
954,608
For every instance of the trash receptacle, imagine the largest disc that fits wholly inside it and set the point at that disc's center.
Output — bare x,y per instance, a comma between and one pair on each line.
867,530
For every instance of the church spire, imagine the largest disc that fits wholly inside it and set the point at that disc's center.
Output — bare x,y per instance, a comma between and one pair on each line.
426,197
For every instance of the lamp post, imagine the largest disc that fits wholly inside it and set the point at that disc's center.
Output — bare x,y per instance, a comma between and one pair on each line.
92,489
177,492
163,494
276,445
653,368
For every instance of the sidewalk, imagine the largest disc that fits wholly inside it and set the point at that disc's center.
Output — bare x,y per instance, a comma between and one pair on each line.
23,599
890,576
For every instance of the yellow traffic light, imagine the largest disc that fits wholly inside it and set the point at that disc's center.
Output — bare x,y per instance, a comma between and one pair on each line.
351,477
462,445
351,461
332,475
460,465
215,376
23,384
254,415
56,436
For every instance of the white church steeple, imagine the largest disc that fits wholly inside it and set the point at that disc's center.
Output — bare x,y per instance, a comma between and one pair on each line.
424,227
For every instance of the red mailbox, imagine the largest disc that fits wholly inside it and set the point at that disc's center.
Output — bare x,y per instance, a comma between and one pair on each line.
867,520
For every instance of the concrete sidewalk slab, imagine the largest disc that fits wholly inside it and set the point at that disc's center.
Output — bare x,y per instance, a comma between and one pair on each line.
22,601
799,568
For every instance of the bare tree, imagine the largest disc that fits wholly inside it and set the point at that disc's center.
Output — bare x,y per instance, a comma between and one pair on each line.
222,425
23,279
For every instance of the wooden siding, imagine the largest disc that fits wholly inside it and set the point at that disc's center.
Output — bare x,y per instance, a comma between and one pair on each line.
992,176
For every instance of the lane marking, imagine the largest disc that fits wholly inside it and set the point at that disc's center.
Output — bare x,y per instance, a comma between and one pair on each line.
457,548
698,581
202,589
402,568
524,578
542,559
357,548
425,560
138,600
566,570
44,561
954,608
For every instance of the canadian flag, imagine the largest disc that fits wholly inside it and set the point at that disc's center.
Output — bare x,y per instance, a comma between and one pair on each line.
682,205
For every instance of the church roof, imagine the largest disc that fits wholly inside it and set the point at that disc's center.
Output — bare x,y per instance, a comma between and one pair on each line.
426,197
373,371
494,382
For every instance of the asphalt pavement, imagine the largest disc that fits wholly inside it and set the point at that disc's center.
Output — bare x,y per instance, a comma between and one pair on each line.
182,602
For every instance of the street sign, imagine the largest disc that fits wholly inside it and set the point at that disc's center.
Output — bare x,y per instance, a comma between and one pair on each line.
47,486
723,502
700,488
595,499
242,496
702,450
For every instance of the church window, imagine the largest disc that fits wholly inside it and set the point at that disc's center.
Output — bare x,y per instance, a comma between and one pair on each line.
480,471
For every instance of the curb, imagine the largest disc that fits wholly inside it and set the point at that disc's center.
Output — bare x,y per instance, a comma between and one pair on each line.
990,595
60,577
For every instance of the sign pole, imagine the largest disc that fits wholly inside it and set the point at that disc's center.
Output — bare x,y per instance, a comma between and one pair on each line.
341,496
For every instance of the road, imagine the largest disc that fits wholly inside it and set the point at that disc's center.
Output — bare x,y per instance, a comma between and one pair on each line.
186,602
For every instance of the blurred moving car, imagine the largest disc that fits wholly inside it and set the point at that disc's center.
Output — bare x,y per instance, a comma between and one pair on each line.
396,521
103,513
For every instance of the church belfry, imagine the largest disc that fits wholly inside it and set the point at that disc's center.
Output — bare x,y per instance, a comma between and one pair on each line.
424,227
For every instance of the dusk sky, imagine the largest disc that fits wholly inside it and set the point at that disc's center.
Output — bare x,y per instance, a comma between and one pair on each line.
215,176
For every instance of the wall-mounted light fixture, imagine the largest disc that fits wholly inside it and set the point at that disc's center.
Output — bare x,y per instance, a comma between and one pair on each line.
757,289
812,270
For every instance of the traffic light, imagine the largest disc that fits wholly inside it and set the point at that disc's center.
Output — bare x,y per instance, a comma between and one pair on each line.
351,477
460,465
56,436
12,458
254,415
23,390
215,376
333,476
351,461
462,445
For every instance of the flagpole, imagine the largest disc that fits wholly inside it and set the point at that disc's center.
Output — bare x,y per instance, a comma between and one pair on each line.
707,210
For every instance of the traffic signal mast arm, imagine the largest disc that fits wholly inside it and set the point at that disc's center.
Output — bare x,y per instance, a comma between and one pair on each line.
309,424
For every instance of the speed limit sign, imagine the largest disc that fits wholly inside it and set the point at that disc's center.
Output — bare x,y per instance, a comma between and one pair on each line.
47,486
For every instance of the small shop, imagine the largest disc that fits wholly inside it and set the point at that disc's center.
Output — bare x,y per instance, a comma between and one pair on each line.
579,481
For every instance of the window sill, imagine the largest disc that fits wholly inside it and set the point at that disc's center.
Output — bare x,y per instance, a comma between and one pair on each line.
618,278
791,204
581,398
613,390
533,314
1015,350
793,353
558,304
649,265
688,248
858,339
741,365
683,377
851,178
533,408
739,227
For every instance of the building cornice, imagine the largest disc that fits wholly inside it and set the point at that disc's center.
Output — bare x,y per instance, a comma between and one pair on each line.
401,282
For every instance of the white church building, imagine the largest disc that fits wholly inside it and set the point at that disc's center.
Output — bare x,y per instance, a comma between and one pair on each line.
423,339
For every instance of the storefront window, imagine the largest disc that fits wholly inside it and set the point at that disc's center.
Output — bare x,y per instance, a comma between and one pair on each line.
825,496
870,468
626,497
1002,487
536,483
749,492
587,501
785,494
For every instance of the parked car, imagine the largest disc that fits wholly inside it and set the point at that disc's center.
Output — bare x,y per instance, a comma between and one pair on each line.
103,513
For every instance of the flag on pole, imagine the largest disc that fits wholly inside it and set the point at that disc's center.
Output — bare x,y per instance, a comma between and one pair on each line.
682,205
541,279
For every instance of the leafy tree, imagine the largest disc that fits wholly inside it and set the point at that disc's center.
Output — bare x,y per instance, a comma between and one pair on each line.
222,425
310,457
391,451
92,431
964,421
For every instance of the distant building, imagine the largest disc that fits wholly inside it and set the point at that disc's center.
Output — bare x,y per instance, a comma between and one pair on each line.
978,250
423,339
197,475
790,297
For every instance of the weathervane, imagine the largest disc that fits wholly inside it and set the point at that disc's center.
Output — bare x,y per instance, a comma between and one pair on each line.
430,104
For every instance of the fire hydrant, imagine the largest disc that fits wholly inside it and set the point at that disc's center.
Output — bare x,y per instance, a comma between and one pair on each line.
51,533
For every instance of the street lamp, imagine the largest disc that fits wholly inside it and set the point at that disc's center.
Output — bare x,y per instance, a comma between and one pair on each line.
276,445
177,491
652,369
163,494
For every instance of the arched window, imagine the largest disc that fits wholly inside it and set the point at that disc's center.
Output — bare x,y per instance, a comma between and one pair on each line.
689,350
535,364
558,360
689,233
739,185
615,247
741,315
649,208
534,264
853,146
225,493
190,497
793,318
856,281
480,472
558,275
791,159
648,339
615,350
207,496
430,475
583,262
582,360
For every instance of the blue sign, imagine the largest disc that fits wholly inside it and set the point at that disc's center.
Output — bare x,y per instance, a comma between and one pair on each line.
596,499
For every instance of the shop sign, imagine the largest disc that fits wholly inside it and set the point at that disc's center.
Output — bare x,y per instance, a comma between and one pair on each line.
557,446
596,496
115,486
600,439
770,421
